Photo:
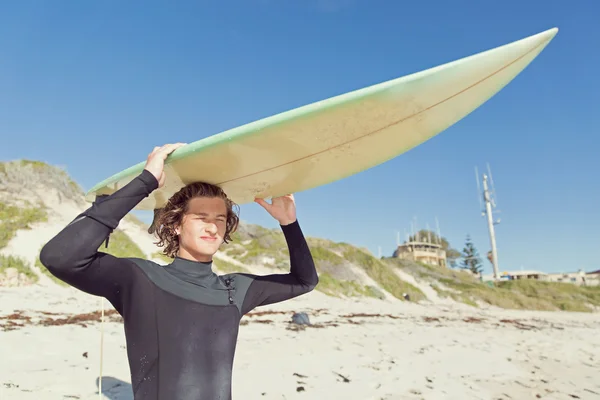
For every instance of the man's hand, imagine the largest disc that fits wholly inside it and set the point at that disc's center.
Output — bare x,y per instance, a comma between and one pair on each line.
283,208
156,161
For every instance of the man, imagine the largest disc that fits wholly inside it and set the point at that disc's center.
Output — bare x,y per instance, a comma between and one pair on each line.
181,321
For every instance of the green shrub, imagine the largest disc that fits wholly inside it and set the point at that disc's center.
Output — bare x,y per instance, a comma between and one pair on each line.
19,264
227,267
13,218
523,294
163,257
120,245
338,287
383,274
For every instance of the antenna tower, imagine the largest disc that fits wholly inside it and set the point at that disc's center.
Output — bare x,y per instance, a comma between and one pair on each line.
490,200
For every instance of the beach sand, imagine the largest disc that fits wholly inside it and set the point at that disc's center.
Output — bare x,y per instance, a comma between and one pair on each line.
362,350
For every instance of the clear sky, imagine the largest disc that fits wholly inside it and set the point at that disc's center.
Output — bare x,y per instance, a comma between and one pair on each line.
94,86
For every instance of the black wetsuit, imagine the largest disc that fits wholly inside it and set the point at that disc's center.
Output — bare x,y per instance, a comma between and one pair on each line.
181,321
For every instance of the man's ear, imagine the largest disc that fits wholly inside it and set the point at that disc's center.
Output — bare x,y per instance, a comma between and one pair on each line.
179,225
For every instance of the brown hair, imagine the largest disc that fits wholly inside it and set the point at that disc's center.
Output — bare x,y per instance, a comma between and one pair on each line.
171,215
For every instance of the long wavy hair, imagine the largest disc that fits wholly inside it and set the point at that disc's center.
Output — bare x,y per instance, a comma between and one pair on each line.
166,219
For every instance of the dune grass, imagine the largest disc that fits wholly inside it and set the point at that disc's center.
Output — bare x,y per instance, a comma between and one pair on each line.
120,245
334,263
259,244
538,295
338,288
32,173
523,294
324,255
14,218
383,274
19,264
228,268
136,221
161,256
527,294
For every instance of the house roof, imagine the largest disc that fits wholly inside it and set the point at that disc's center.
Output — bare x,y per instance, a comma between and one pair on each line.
597,272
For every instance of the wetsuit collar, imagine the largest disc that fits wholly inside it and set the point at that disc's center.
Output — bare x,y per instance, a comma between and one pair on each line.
197,273
196,270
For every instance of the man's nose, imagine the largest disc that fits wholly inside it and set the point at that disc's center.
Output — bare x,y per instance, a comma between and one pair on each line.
211,227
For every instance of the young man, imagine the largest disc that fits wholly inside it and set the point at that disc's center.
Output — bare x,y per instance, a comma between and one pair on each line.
181,321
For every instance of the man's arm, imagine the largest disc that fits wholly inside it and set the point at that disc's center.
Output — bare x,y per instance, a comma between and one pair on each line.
73,256
303,278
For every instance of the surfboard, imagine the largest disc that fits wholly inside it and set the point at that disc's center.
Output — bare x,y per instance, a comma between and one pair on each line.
332,139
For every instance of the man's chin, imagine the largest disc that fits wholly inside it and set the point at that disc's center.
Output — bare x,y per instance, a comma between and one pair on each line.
202,254
208,248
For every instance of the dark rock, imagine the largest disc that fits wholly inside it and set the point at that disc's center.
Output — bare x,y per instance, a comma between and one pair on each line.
300,319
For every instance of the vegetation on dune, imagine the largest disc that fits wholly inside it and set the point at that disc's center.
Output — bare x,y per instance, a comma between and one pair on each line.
136,221
551,295
163,257
28,173
383,274
524,294
226,267
20,175
252,244
14,218
19,264
339,287
326,257
334,261
120,245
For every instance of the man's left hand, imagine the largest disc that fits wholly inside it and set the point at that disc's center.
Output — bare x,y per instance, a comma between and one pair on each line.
282,208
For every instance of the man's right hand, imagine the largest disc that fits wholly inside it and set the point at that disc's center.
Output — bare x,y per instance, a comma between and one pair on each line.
156,161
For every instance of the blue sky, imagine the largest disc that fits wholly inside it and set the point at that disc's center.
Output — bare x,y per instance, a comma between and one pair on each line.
94,86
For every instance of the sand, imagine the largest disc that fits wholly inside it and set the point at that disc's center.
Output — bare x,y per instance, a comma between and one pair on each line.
396,350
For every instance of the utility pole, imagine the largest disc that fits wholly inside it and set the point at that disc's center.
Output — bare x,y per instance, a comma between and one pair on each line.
489,203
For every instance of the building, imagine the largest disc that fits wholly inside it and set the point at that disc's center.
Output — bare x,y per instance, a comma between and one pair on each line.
515,275
592,278
578,278
424,252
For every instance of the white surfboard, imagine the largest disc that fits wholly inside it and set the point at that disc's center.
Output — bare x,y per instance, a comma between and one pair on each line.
332,139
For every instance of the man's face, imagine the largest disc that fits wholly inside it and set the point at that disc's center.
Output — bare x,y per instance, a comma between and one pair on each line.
203,228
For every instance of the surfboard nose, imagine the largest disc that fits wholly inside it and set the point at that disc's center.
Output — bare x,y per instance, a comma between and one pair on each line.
539,39
551,32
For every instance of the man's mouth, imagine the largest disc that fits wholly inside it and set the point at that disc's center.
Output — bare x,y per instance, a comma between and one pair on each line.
208,238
